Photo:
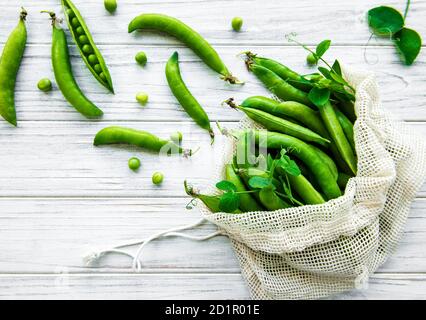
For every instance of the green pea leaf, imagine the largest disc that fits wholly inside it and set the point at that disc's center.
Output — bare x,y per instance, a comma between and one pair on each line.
409,44
259,182
289,165
226,186
322,48
229,202
325,72
319,97
385,21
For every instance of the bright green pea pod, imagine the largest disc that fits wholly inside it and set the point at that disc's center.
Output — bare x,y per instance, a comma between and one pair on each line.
138,138
347,127
64,75
328,161
348,109
280,70
182,32
10,62
271,200
277,124
211,202
281,88
288,109
184,96
300,112
247,202
305,189
103,76
337,134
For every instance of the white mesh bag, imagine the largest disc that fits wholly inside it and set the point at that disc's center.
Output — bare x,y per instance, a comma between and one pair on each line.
315,251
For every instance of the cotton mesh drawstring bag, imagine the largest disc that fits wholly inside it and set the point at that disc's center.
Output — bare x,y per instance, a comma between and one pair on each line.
315,251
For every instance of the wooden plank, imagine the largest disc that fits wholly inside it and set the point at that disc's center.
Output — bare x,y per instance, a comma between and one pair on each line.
47,235
401,87
48,159
179,287
265,22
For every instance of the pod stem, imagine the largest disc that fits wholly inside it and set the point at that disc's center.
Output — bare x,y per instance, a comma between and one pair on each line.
211,136
23,14
231,79
52,16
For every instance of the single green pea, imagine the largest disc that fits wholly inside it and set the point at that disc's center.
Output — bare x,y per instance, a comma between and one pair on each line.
102,76
237,23
93,60
141,58
311,60
97,68
176,137
83,39
157,178
87,49
110,5
80,30
134,163
44,85
75,23
142,98
70,13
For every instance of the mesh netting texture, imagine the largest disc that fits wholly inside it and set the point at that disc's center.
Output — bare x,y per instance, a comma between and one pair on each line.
315,251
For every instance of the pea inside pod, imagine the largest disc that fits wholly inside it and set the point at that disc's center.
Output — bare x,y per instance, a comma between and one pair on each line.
86,45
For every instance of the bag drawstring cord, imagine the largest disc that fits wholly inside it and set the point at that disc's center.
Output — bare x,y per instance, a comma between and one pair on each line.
93,257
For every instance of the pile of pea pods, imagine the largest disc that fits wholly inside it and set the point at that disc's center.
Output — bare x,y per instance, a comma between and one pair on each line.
310,151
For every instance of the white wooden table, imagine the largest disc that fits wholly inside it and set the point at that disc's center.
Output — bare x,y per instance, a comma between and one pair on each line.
60,196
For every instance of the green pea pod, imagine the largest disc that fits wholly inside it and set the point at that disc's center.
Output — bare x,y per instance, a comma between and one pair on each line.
305,189
10,63
138,138
303,114
288,109
274,123
64,75
185,34
211,202
281,88
343,180
335,130
304,152
247,202
280,70
347,127
271,200
89,52
328,161
184,96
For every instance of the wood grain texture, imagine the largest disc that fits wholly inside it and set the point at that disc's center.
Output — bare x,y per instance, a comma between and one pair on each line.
47,235
179,287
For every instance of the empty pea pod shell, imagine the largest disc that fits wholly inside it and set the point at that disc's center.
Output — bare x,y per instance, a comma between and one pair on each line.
10,62
179,30
83,39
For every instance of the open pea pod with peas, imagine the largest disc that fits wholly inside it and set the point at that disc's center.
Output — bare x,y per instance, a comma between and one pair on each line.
89,52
